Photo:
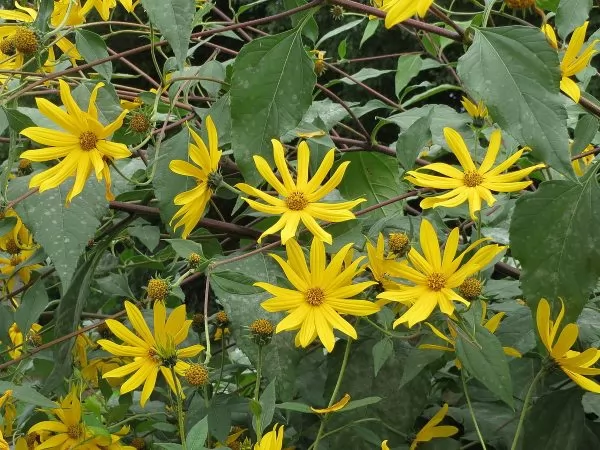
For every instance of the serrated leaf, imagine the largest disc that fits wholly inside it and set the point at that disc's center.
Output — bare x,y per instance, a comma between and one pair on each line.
516,74
409,67
63,231
413,140
482,356
197,435
92,47
571,14
555,234
33,303
174,20
271,89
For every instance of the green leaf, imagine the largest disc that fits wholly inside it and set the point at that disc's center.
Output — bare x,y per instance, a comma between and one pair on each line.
311,29
215,70
107,101
585,131
555,422
174,20
267,407
33,303
372,176
295,406
234,282
370,30
149,235
409,67
27,394
92,47
516,73
354,404
550,5
63,231
196,437
7,224
413,140
271,89
381,352
338,30
17,120
184,248
482,357
168,184
571,14
555,234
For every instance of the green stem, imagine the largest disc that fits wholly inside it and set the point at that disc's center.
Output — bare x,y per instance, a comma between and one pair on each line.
525,406
464,384
180,415
230,188
334,395
257,391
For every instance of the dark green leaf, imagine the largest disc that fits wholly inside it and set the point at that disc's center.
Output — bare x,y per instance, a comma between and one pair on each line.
27,394
413,140
311,29
571,14
354,404
271,89
7,224
381,352
555,234
516,73
33,303
92,47
267,407
17,121
295,406
586,129
174,20
184,248
482,357
234,282
409,67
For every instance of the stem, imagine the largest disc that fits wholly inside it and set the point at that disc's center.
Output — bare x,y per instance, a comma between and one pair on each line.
206,334
464,383
257,391
336,390
180,415
525,405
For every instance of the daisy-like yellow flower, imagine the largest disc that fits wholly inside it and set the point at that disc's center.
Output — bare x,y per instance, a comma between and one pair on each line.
10,412
491,325
398,11
576,365
273,440
18,41
299,200
574,60
435,277
17,338
18,238
14,272
379,264
105,6
432,430
61,7
320,294
478,112
580,165
472,183
151,352
207,176
83,145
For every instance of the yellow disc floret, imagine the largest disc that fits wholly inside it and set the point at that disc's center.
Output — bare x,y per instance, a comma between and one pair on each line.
157,289
520,4
471,288
197,375
25,40
399,243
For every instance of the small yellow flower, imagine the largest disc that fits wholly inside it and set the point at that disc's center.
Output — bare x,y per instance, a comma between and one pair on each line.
320,294
273,440
10,412
17,338
576,365
379,264
580,165
193,202
3,443
152,352
435,277
384,445
573,60
478,112
299,200
431,430
105,6
341,404
472,183
84,145
398,11
14,271
61,7
17,239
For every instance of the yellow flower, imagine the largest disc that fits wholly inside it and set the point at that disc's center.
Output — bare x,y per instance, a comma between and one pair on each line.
341,404
580,168
491,325
300,198
17,239
23,41
17,338
320,294
573,61
398,11
573,363
104,6
69,429
380,265
130,105
472,184
273,440
435,277
193,202
3,443
9,267
151,352
10,412
76,16
477,111
83,145
384,445
431,430
220,332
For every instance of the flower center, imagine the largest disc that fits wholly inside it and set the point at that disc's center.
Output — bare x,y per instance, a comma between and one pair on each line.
74,431
399,243
472,179
7,46
87,140
153,354
15,260
139,123
25,40
436,281
12,247
314,296
296,201
471,288
31,439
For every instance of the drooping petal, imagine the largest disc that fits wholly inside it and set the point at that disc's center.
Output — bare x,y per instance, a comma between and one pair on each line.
459,148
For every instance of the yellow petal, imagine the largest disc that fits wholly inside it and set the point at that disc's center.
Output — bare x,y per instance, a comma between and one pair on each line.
335,407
